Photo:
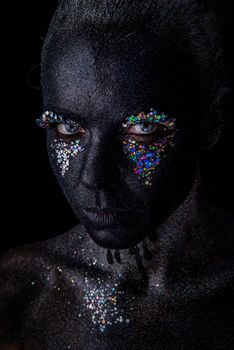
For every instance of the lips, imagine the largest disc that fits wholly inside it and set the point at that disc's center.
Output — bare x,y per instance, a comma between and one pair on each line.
101,217
106,216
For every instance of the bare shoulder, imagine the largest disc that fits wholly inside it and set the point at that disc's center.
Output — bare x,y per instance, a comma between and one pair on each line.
36,255
26,273
26,267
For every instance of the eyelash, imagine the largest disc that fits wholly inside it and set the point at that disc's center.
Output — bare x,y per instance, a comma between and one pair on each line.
51,121
54,120
61,136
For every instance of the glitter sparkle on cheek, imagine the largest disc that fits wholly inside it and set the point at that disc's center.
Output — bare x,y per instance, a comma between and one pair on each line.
64,151
147,157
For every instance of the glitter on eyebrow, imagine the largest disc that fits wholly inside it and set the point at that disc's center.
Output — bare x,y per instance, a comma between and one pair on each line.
49,119
152,117
146,158
64,151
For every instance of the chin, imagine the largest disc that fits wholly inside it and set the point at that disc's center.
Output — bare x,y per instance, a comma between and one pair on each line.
115,237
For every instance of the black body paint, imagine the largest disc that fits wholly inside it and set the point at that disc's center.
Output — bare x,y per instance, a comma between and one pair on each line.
161,276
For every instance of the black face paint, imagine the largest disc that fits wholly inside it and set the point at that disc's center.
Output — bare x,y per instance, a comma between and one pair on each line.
101,84
108,151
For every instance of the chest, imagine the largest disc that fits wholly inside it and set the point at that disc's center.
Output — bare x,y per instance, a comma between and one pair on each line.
102,313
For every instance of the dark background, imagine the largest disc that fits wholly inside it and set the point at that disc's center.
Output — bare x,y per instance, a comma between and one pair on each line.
33,206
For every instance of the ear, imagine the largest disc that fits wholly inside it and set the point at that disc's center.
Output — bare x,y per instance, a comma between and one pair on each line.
215,119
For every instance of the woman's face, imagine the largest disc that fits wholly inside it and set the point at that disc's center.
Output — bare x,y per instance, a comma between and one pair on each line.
126,142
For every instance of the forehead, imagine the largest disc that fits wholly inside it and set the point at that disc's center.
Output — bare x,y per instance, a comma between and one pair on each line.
112,76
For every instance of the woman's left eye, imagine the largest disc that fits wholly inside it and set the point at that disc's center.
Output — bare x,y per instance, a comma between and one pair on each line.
145,128
70,127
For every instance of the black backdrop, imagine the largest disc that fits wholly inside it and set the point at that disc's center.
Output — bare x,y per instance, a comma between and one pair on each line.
33,207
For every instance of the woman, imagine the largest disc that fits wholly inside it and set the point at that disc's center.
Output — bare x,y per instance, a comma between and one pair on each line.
133,93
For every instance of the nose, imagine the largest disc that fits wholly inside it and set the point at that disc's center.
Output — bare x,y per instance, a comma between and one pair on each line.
101,165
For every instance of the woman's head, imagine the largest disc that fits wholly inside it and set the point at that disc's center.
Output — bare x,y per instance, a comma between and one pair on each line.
133,84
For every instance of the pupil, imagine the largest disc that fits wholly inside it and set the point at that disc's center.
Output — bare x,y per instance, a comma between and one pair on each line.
71,126
146,127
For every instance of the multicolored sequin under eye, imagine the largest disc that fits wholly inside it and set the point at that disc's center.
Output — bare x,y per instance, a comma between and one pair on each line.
146,158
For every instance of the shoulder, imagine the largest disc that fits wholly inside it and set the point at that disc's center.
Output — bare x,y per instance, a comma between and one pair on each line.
25,264
24,276
37,254
16,278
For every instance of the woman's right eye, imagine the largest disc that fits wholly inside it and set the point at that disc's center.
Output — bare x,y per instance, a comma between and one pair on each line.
70,127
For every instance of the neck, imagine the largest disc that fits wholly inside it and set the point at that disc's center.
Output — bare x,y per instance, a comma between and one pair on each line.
180,248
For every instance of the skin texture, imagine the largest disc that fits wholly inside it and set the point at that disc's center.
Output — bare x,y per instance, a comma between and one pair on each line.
171,280
101,175
103,87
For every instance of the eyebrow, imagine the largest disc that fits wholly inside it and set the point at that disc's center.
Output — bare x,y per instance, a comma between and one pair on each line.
71,115
149,116
132,118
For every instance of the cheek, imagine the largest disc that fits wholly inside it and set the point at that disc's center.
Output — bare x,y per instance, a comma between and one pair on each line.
62,152
146,158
